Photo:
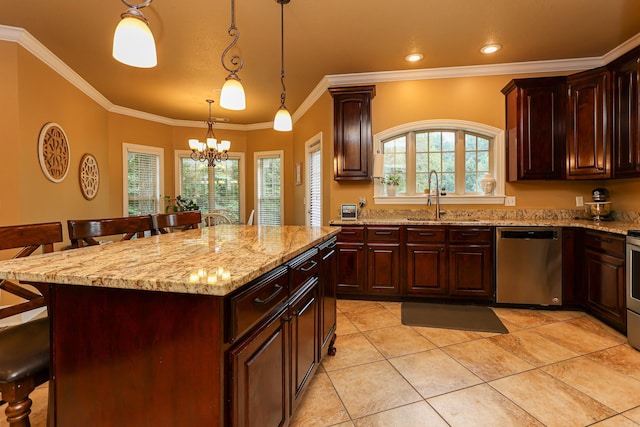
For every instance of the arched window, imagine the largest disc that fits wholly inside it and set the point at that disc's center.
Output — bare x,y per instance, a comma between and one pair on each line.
460,152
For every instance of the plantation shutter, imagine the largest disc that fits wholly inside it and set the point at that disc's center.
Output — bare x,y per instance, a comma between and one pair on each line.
269,190
143,175
315,202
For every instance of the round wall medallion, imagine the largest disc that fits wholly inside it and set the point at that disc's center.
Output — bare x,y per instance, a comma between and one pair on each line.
89,176
53,152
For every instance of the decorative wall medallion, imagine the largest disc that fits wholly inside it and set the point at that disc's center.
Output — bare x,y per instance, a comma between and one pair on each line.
53,152
89,176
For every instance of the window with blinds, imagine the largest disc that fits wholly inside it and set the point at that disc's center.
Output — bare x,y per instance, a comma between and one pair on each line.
143,181
314,190
269,185
212,188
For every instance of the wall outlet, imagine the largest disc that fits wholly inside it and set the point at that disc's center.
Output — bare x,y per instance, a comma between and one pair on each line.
363,202
510,201
579,201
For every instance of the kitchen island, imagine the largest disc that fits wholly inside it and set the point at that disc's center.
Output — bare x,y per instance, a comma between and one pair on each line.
216,326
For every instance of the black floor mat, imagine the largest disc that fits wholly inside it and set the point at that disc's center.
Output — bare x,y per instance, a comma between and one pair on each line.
447,316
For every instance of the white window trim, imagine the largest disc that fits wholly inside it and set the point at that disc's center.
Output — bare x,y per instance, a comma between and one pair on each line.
137,148
499,154
179,154
309,145
268,154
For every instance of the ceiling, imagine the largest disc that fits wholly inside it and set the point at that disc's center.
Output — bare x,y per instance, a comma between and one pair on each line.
322,37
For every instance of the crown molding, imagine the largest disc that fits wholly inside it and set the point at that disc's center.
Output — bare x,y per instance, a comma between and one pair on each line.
31,44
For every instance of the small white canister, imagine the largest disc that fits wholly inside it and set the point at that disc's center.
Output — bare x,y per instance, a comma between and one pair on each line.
488,184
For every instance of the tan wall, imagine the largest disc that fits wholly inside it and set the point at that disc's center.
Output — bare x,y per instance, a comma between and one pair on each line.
35,96
10,144
477,99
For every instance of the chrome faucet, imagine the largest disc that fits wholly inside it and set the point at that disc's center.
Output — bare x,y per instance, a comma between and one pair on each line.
433,172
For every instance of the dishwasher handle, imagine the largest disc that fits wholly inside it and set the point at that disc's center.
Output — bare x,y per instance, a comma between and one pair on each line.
529,234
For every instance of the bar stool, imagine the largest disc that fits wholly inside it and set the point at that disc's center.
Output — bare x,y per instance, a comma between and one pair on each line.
24,348
177,220
84,232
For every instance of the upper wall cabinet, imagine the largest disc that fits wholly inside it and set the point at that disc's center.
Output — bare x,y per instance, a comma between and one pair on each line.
536,131
626,139
589,140
352,132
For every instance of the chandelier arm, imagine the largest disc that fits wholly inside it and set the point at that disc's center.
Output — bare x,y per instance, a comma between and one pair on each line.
137,6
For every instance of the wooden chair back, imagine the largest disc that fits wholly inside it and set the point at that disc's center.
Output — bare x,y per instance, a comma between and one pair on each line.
177,220
27,238
214,218
84,232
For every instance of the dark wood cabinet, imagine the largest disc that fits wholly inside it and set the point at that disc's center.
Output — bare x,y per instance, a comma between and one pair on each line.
270,365
351,261
536,131
259,375
471,262
604,277
383,245
305,343
626,137
426,261
328,297
352,132
589,140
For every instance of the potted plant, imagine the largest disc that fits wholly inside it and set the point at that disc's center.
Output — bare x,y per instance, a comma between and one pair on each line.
392,182
180,204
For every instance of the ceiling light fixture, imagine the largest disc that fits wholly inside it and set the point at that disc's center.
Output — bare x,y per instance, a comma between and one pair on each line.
209,150
232,95
490,48
133,42
413,57
282,121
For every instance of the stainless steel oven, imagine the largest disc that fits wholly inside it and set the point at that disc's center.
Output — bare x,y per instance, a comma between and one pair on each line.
633,288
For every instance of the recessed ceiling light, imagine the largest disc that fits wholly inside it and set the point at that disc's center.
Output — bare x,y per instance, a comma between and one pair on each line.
490,48
414,57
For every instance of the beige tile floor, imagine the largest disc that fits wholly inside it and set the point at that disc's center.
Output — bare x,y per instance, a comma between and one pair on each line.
554,368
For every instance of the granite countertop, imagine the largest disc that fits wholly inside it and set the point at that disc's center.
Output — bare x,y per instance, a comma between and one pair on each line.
617,227
207,261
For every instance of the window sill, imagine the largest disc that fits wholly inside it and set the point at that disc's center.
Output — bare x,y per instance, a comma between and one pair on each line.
444,200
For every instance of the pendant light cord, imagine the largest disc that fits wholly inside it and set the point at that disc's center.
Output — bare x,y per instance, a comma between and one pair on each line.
283,95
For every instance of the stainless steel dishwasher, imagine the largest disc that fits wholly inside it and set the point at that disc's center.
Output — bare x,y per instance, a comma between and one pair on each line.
529,265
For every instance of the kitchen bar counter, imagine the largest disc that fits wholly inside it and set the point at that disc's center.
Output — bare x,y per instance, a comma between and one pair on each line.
208,261
182,328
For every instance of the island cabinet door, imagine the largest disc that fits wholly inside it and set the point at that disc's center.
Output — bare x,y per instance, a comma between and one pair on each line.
304,314
328,252
258,375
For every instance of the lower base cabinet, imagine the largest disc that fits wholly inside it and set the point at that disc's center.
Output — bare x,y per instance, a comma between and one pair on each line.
259,375
269,367
604,277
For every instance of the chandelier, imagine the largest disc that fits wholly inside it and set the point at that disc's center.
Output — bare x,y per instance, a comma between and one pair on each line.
210,150
133,42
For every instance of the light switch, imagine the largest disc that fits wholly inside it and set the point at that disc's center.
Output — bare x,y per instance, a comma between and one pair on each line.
579,201
510,201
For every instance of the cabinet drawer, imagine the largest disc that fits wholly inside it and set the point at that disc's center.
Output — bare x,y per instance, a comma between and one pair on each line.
383,234
605,242
301,268
351,234
471,234
425,234
248,307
